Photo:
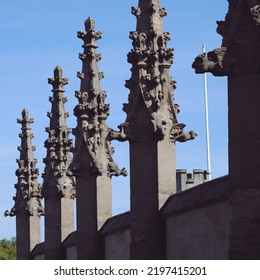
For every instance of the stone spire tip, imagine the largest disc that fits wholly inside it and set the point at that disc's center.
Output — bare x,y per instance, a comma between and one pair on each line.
89,24
58,81
58,71
25,113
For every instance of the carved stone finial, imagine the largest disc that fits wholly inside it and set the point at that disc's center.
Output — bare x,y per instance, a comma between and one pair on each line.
90,24
151,127
92,112
217,62
151,87
58,144
25,121
89,36
57,72
25,114
58,82
27,189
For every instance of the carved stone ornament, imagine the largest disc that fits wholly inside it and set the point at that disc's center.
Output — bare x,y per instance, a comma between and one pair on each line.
215,62
28,190
59,146
240,44
151,112
92,134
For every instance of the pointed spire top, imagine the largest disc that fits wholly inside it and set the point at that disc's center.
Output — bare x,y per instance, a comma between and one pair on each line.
58,82
25,113
89,24
58,71
92,111
25,121
58,115
26,149
90,76
58,144
27,187
89,36
91,97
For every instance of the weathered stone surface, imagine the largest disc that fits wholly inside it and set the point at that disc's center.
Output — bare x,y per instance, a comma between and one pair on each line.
245,226
198,222
117,238
28,207
199,234
152,129
93,164
58,187
244,162
92,111
239,58
238,53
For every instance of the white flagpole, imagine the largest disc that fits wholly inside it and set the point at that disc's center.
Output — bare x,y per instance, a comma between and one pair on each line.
206,115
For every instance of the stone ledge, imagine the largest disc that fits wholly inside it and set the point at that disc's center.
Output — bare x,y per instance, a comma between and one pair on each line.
198,196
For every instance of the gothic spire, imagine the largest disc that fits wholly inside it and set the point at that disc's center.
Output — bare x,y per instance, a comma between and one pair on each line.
91,98
58,144
28,189
152,128
92,111
150,84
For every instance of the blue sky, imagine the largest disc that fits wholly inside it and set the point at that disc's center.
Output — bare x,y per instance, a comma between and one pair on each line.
36,36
